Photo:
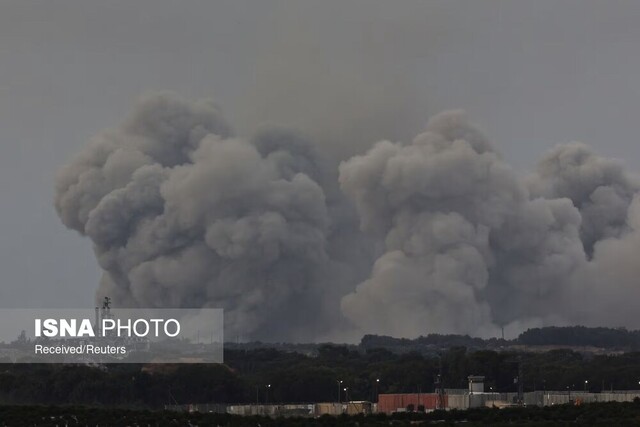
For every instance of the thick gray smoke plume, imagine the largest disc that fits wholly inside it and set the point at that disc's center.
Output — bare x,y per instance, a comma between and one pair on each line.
600,188
183,215
439,235
466,246
470,247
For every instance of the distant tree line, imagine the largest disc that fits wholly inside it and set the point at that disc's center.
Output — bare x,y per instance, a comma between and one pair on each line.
570,336
276,376
582,336
430,343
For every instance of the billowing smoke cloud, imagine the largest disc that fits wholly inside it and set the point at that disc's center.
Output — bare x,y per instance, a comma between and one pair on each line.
599,187
466,246
438,235
183,215
607,291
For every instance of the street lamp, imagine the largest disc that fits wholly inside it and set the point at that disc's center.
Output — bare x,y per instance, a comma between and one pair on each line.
339,385
377,388
267,396
346,394
585,385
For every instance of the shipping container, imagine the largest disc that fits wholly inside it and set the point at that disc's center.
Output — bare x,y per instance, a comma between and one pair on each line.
390,403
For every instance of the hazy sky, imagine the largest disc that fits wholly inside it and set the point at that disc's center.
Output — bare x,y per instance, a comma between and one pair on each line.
530,73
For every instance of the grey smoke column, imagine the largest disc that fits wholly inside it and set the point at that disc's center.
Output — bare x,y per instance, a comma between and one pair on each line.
607,290
437,235
184,215
599,187
466,248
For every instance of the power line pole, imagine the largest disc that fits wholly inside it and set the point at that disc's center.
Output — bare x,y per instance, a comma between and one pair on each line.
520,382
440,404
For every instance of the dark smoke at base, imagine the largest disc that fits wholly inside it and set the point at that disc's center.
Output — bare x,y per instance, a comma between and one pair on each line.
438,235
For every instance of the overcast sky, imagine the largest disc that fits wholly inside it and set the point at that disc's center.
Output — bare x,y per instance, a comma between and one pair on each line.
530,73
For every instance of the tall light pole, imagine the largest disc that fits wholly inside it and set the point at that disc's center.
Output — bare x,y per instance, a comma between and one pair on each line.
346,394
339,387
585,385
377,391
267,394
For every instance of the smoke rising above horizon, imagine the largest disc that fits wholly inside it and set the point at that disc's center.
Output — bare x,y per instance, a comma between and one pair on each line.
438,234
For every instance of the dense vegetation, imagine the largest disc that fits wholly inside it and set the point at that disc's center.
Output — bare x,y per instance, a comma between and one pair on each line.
582,336
430,343
295,377
309,373
595,414
567,336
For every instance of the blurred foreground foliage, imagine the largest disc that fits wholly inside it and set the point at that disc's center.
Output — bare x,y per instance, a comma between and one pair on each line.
595,414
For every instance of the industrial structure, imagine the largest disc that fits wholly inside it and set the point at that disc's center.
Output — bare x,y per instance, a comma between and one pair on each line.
474,396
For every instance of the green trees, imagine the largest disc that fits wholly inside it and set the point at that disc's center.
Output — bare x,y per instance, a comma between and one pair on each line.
582,336
295,377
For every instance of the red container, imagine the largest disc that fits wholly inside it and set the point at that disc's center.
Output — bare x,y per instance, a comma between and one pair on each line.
390,403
